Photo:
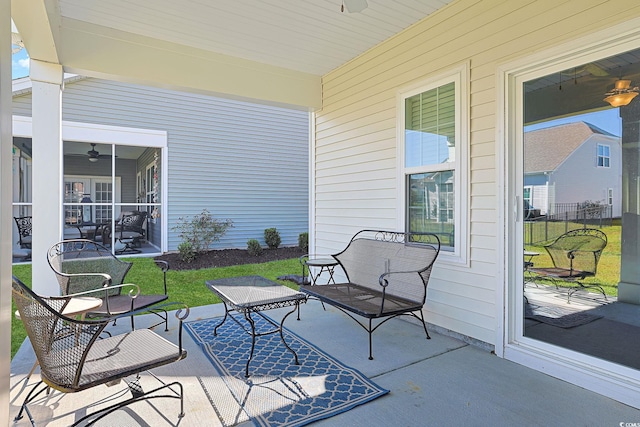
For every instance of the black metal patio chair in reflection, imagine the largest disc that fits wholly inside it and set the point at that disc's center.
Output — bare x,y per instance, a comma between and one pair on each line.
575,256
82,265
72,358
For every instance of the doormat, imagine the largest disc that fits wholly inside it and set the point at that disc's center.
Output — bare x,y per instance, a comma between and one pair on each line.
558,316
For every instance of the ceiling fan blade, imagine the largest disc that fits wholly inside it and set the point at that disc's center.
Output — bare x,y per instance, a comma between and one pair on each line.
593,69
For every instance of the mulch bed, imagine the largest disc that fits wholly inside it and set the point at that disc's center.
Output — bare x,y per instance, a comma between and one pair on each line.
229,257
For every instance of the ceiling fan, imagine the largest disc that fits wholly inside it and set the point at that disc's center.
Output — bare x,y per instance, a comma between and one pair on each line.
93,155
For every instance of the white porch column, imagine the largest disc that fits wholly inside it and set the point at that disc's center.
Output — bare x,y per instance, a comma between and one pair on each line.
47,209
6,219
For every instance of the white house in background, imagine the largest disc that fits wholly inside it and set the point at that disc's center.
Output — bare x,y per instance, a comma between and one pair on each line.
242,161
572,163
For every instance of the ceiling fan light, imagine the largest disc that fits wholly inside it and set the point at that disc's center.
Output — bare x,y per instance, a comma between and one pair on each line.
622,94
93,159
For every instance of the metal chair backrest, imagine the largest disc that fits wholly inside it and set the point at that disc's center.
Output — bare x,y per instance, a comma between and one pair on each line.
81,265
133,221
24,229
578,250
60,343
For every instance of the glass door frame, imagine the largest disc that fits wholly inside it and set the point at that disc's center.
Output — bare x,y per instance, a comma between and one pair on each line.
621,383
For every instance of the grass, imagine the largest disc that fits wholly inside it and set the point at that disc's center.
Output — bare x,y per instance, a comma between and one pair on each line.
186,286
608,273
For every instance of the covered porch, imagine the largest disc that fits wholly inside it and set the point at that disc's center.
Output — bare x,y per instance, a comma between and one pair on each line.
353,72
442,381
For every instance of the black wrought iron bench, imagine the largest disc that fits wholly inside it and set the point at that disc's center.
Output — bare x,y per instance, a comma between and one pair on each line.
387,276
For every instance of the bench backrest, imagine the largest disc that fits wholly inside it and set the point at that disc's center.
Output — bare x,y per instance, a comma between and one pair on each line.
371,253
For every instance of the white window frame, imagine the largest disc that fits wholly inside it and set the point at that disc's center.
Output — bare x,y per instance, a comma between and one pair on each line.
460,77
599,156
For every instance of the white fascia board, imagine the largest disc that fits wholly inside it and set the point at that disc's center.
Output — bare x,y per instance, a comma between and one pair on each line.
99,134
102,52
24,85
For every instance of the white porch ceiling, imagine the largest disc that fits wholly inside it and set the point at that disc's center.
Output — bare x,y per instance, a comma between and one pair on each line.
229,43
311,36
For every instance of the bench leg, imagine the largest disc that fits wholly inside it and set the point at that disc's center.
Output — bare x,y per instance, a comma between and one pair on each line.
424,324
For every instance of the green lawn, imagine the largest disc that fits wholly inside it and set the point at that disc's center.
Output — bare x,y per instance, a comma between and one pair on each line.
184,286
608,274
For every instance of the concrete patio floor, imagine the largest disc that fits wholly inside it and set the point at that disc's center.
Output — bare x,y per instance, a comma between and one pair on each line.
442,381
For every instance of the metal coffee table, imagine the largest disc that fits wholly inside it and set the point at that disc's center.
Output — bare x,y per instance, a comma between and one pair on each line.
253,295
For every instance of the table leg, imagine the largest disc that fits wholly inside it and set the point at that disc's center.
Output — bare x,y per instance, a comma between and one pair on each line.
296,307
331,279
247,315
226,313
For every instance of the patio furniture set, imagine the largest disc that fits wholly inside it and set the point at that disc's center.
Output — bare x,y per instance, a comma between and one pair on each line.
130,231
386,275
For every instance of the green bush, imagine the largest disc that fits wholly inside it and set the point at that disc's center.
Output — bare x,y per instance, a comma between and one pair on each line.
303,241
186,252
202,230
254,248
272,238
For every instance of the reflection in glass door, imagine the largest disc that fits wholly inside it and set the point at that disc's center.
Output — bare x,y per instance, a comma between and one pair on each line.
580,178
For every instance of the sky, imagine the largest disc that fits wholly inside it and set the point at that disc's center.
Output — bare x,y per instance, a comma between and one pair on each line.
608,120
20,64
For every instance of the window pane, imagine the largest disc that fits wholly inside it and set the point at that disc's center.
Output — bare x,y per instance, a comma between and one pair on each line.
430,127
431,204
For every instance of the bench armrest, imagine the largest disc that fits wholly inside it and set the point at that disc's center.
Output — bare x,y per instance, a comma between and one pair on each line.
383,277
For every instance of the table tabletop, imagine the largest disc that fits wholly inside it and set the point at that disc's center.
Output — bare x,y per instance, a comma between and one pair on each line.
81,305
254,293
321,262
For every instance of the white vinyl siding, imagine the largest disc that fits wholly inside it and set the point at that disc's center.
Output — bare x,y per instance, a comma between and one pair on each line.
355,156
243,161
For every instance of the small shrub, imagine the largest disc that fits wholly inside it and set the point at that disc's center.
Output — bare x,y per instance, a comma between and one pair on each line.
186,252
303,241
254,248
272,238
202,230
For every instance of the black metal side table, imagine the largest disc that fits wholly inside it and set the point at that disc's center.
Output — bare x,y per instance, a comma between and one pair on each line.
324,264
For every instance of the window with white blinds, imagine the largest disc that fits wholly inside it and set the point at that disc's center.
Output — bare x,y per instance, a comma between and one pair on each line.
431,178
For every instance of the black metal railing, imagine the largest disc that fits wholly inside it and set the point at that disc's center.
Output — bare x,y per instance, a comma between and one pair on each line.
565,217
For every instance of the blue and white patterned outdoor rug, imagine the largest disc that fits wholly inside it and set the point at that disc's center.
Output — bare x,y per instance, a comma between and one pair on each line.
278,392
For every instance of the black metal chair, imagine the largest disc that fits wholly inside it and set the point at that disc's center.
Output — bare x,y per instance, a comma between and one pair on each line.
129,231
72,358
24,234
575,256
83,265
